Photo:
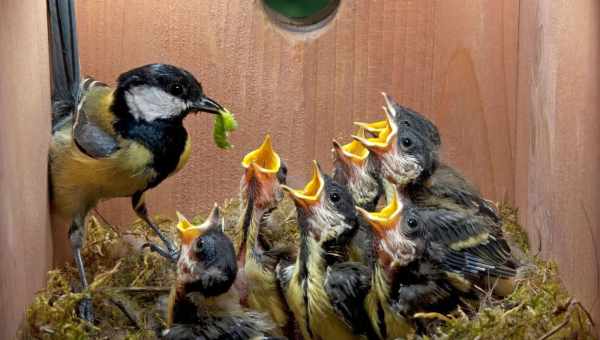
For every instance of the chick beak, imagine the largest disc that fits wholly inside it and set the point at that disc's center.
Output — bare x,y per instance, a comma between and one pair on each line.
206,104
374,127
262,166
310,195
385,139
387,218
188,232
351,154
391,104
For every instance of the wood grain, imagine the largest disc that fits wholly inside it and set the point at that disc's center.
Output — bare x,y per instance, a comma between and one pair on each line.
453,60
558,133
513,86
25,235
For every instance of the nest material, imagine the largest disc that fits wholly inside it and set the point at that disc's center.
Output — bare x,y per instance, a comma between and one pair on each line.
129,290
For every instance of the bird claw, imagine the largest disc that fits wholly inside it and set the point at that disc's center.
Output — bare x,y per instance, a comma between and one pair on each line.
85,310
170,253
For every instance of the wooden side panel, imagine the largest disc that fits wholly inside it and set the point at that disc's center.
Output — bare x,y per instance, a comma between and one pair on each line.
558,153
25,235
453,60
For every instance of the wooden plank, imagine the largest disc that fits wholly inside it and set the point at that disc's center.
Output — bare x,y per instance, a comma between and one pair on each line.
25,234
558,129
306,89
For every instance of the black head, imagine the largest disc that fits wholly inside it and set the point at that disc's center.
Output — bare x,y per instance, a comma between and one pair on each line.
207,263
160,91
407,118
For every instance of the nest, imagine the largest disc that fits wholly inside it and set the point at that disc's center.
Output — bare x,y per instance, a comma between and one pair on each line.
129,289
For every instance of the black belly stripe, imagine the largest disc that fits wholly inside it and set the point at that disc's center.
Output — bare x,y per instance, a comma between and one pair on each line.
165,139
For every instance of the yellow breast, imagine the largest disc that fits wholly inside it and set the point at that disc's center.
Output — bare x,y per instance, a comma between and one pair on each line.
79,181
396,326
322,322
263,293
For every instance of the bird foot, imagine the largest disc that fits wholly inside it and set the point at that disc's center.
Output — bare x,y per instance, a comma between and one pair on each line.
85,310
170,253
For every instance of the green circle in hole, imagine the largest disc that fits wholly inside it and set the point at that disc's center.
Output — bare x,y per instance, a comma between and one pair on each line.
300,14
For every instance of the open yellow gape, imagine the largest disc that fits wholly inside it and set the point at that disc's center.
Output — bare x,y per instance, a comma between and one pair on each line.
313,189
385,131
264,158
387,217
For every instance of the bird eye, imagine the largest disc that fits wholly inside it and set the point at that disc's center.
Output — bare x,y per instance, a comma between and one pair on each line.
334,197
199,245
412,223
407,142
176,89
405,123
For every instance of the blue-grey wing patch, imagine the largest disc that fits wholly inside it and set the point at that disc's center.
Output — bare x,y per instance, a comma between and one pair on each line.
91,139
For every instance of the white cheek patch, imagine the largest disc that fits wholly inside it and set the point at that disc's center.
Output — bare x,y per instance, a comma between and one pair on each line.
150,103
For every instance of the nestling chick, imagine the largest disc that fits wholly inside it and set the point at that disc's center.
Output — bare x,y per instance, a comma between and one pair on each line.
433,256
261,194
327,221
407,151
354,168
202,304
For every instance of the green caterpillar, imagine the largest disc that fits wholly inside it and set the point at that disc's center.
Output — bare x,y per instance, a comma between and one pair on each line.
224,123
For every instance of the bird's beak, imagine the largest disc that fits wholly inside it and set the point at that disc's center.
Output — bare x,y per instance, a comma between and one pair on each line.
374,127
188,232
264,158
261,168
311,194
385,219
385,138
206,104
391,104
353,152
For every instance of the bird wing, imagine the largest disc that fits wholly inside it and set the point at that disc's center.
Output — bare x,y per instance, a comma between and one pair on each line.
470,244
347,284
89,136
448,183
422,286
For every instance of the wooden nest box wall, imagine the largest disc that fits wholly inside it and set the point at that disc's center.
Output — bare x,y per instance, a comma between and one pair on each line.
513,86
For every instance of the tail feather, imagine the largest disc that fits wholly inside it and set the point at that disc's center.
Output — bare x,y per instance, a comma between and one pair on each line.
64,59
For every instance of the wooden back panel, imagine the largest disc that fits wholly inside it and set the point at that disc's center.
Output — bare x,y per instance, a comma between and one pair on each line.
455,63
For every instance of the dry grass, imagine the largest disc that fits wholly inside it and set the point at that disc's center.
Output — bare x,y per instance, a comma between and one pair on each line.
129,289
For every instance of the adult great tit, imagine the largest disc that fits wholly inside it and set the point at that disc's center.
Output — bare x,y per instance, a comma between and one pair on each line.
122,142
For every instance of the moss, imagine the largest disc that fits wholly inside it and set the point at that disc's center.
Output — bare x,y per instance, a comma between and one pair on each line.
539,306
129,289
